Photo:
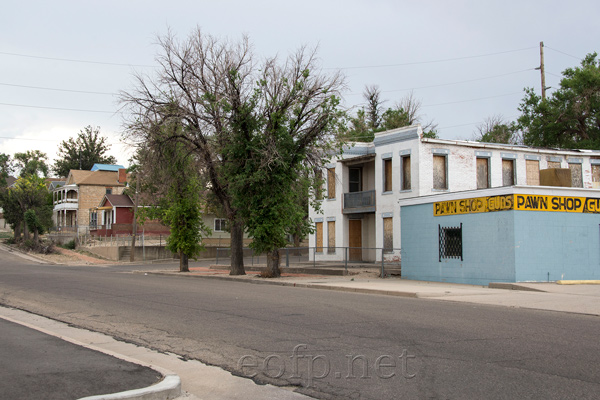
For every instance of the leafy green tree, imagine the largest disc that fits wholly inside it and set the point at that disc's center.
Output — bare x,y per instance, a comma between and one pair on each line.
6,169
83,152
29,194
570,117
31,163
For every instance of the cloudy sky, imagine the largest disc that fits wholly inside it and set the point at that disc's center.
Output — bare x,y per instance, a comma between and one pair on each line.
61,62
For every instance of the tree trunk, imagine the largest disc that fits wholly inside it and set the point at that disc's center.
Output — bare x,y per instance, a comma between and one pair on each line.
132,252
273,270
184,265
17,232
25,231
36,237
237,249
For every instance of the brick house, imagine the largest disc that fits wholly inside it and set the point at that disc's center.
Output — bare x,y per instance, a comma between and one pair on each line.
82,191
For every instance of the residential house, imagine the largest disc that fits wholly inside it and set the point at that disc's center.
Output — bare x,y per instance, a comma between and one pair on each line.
82,191
360,210
114,216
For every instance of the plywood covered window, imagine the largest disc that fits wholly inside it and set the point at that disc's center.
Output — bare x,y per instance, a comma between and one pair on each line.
388,234
319,236
440,173
406,172
595,176
576,176
533,172
483,173
331,236
553,164
508,172
331,183
387,175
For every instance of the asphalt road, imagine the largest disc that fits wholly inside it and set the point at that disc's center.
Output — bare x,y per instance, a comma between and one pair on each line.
38,366
330,344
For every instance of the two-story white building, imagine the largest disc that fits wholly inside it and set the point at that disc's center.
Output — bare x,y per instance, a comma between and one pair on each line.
360,215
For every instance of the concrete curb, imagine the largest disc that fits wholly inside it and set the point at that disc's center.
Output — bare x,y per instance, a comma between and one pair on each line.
292,284
578,282
168,388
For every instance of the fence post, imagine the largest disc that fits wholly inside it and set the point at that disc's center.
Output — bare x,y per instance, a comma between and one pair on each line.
287,257
217,256
382,268
346,259
314,257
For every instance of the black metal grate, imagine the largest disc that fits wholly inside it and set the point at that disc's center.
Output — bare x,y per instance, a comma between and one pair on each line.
450,242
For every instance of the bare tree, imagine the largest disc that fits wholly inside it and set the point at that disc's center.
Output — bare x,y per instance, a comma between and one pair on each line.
412,107
236,117
372,95
497,129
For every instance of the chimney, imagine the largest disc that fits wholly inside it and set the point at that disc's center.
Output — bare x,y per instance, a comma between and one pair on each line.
122,175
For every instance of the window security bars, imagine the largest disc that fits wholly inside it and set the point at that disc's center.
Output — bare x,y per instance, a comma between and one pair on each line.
450,242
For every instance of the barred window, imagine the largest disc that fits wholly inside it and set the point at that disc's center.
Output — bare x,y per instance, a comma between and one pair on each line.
450,242
220,225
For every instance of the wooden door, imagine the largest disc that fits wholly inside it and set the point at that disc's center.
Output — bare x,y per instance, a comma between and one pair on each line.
355,239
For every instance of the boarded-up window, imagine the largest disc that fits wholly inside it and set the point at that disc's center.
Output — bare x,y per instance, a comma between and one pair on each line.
387,178
354,179
553,164
440,177
483,175
388,234
576,178
405,172
331,183
533,172
595,176
508,172
319,236
331,236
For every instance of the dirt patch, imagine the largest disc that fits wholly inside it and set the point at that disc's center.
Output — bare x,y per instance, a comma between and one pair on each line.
65,256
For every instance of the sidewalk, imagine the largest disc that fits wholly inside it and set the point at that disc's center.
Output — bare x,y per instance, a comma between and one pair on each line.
580,298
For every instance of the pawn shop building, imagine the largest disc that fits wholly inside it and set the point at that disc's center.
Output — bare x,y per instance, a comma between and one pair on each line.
507,234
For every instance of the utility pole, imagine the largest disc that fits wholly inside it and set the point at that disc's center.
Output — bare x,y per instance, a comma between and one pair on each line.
542,70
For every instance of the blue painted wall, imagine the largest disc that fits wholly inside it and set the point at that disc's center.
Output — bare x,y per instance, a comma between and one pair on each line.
563,245
488,247
505,246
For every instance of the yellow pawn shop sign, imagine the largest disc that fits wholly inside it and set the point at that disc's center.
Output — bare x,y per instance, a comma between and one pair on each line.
520,202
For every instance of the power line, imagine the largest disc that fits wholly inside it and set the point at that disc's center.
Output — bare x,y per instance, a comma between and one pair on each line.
57,108
37,140
76,61
469,100
450,83
56,89
434,61
562,52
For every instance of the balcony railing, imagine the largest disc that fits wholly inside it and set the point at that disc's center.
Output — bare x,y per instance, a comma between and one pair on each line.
359,202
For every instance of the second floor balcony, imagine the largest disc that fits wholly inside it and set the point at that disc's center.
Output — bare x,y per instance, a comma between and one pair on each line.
359,202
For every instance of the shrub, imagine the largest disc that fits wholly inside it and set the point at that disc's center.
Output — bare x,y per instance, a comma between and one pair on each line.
70,245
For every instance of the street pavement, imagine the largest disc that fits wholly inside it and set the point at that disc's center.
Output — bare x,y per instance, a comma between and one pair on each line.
202,381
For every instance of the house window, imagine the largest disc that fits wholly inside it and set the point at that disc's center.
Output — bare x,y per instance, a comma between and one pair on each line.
440,173
108,190
331,183
483,173
450,242
220,225
355,179
388,235
405,176
93,219
533,172
508,172
330,237
319,236
387,175
576,178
